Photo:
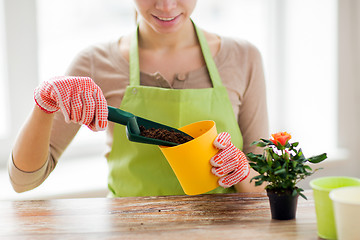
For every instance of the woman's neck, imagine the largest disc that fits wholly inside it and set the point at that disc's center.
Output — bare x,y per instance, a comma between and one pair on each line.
152,40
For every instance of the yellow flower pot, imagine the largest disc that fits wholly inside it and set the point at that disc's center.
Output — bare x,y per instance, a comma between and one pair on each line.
191,161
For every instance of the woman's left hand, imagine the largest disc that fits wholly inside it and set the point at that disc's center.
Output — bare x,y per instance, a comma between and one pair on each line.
230,163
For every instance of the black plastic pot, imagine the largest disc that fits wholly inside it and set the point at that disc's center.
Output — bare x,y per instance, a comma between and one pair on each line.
282,204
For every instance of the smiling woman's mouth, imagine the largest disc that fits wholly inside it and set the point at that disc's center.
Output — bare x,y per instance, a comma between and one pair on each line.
166,19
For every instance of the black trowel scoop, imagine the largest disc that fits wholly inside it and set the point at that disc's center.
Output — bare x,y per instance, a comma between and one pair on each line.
132,124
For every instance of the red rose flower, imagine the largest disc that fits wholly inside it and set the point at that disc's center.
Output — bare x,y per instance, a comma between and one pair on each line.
281,138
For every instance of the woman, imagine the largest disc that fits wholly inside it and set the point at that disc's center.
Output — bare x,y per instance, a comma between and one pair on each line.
165,72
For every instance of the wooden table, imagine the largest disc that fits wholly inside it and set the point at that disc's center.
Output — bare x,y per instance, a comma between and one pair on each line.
224,216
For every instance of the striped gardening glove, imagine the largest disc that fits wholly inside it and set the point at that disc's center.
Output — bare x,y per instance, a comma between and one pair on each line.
79,99
230,164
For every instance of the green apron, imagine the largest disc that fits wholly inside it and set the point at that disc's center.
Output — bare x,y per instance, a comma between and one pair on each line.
137,169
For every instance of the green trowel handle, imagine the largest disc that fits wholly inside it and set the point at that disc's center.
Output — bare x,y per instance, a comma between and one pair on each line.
119,116
124,118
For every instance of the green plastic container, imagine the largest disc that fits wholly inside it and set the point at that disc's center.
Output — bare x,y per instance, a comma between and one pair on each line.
323,204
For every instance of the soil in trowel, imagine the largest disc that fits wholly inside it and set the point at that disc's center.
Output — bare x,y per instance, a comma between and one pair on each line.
164,134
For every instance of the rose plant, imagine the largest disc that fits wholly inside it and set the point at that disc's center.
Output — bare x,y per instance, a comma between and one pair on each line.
282,164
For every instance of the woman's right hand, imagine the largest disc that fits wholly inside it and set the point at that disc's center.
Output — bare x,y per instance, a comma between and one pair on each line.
79,99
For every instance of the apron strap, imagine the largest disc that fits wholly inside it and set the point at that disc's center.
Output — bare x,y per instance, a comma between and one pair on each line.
210,64
134,70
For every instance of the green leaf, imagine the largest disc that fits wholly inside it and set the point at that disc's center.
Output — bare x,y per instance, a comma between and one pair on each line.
294,163
275,157
280,171
257,177
302,195
318,158
267,141
261,143
255,157
308,167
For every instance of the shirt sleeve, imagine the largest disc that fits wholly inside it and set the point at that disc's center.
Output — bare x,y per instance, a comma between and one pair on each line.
23,181
253,113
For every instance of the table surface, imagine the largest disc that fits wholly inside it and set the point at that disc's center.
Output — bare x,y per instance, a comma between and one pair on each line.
218,216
